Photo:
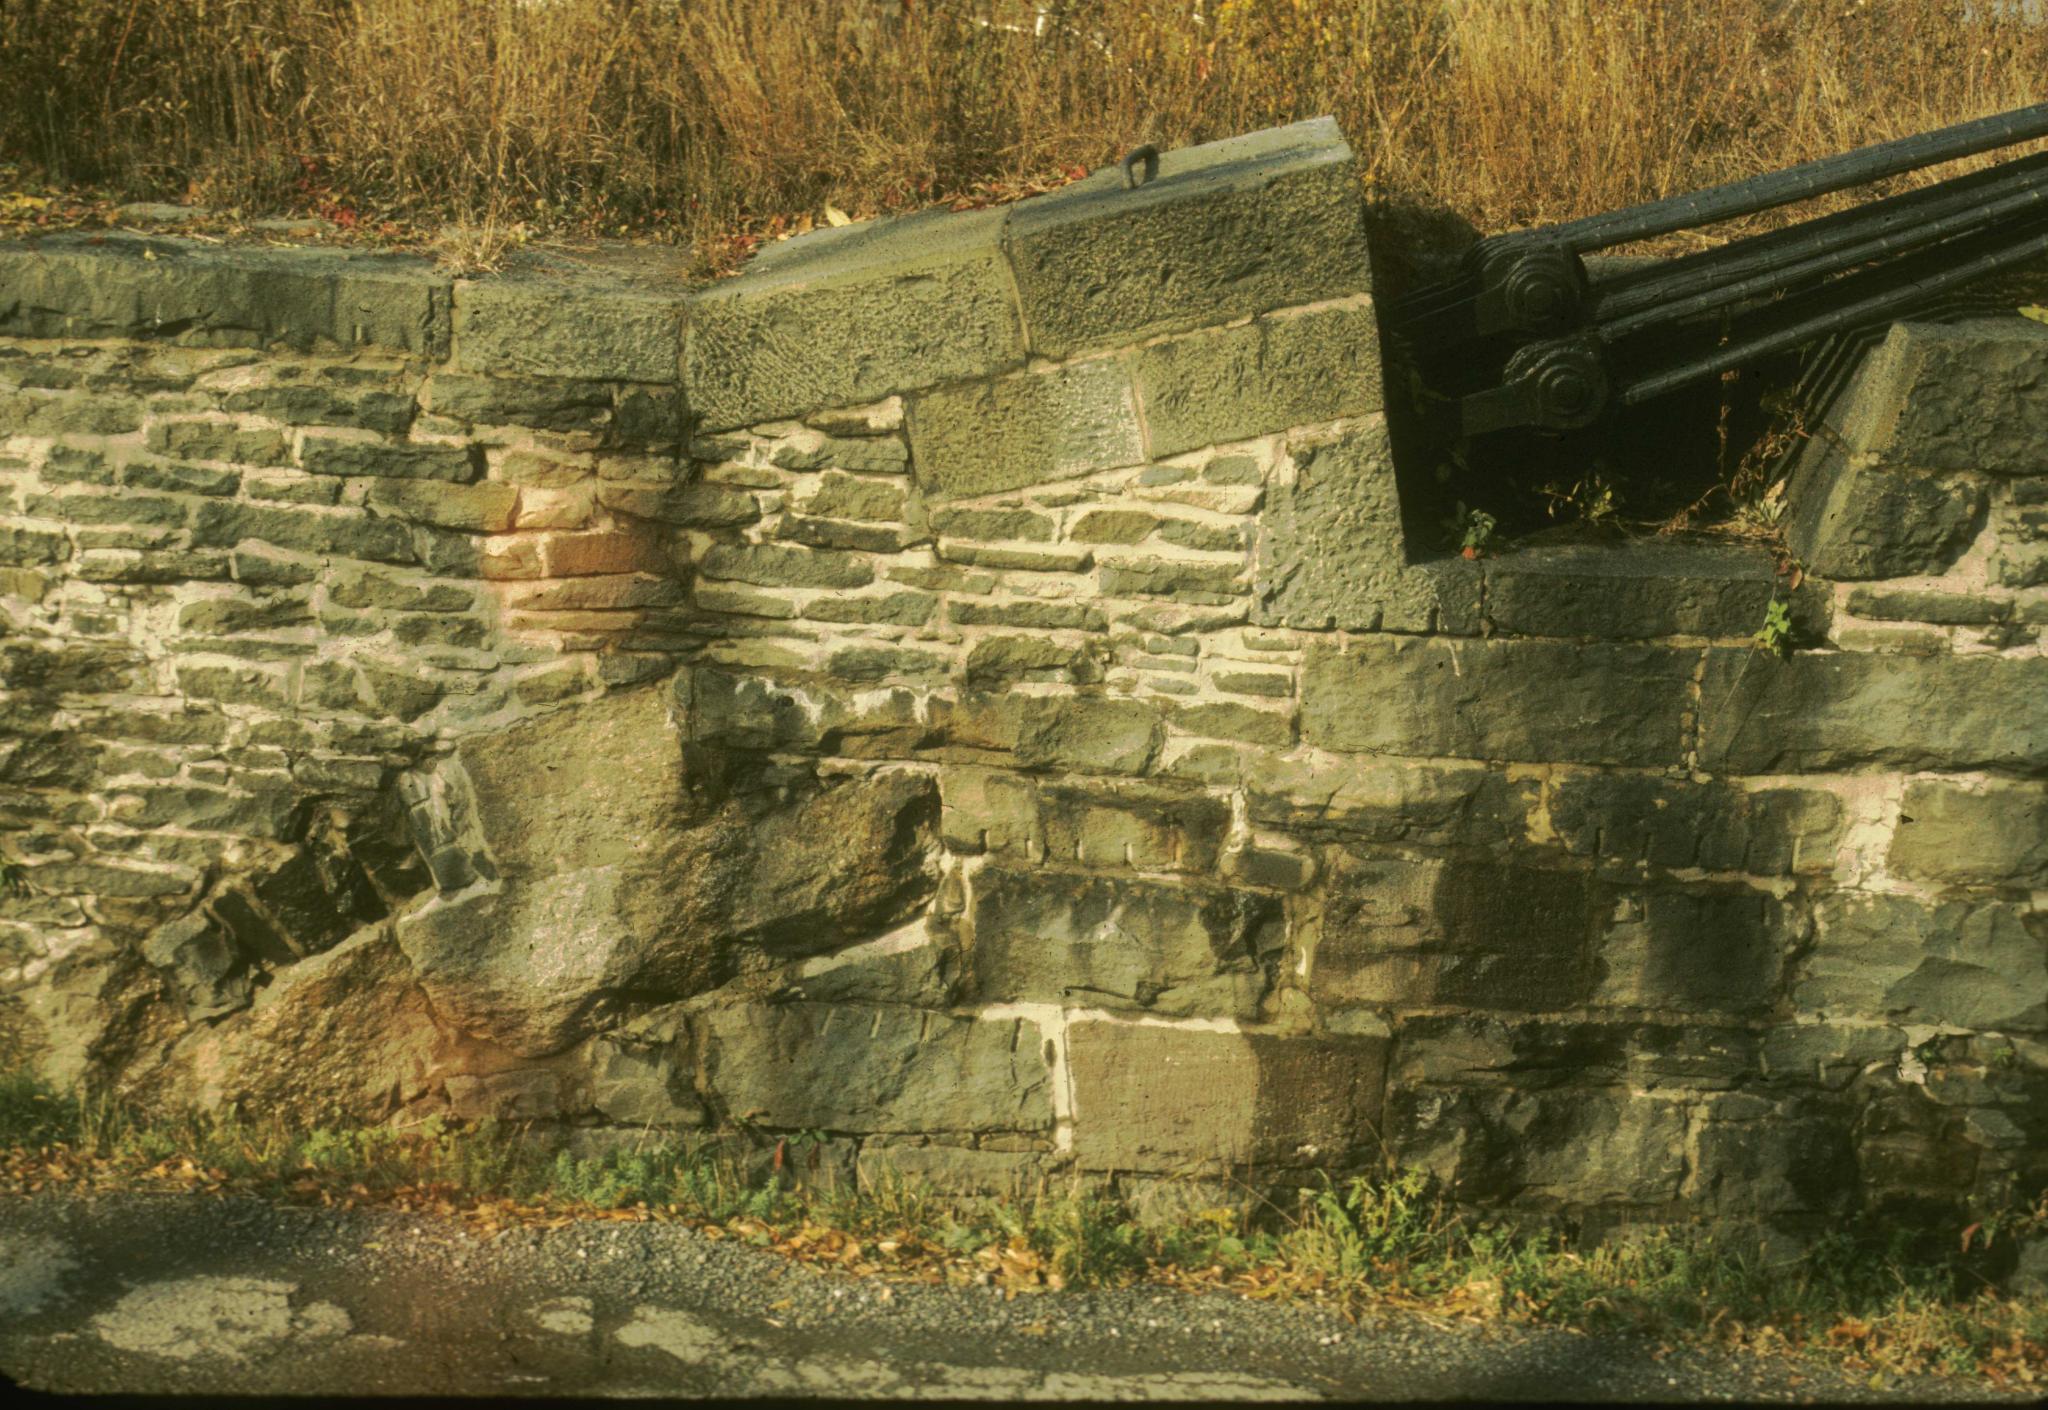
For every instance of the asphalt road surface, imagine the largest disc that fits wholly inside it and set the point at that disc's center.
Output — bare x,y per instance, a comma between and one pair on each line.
185,1294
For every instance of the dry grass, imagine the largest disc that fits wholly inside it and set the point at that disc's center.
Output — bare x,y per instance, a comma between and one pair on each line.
713,121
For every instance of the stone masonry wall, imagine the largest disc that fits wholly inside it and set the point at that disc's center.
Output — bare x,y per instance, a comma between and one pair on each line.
960,693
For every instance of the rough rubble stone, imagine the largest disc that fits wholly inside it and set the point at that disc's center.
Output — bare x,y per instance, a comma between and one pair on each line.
643,1084
204,966
618,882
345,1036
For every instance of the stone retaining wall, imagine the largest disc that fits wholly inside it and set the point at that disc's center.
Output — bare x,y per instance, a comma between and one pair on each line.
960,693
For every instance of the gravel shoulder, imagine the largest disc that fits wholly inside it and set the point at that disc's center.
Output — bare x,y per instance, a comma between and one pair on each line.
181,1294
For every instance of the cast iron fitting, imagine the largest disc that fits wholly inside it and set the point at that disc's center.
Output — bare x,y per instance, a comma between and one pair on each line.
1533,288
1568,382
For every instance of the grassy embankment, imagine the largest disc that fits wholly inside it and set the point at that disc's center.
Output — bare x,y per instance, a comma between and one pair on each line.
719,122
1887,1304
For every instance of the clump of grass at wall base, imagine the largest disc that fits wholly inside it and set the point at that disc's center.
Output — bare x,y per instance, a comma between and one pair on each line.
715,122
1886,1300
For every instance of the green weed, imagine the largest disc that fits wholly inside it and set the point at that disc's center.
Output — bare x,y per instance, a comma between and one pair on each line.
1775,635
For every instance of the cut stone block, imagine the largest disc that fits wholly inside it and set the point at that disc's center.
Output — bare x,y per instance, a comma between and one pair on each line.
1330,549
1636,820
1852,517
532,325
1153,1098
848,316
1264,376
1252,223
1475,934
1631,591
1026,429
1995,833
1902,959
1109,942
875,1069
1969,395
1830,710
1601,704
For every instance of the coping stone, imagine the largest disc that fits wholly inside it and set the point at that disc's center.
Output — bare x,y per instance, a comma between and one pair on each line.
850,315
1263,221
198,295
1969,395
531,324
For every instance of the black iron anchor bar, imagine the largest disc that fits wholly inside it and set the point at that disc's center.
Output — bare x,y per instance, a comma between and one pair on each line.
1565,383
1826,258
1895,223
1877,297
1534,283
1820,177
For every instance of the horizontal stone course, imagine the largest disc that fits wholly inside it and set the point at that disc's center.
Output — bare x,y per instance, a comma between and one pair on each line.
1531,700
120,286
1828,710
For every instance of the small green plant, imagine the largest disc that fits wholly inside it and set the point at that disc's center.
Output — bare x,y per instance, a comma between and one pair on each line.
1590,499
13,880
1762,513
33,1114
1470,531
1775,635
